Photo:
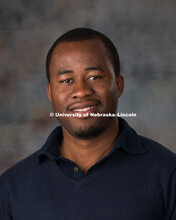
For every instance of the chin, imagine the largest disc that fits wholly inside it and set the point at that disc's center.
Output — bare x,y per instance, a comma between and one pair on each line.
88,132
87,129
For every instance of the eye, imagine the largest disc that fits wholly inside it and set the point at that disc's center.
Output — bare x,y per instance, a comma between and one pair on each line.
95,77
66,81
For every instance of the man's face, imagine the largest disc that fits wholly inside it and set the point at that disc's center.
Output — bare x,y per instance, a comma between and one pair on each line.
82,80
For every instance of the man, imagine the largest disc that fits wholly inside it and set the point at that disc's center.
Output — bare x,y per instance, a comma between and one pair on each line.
90,167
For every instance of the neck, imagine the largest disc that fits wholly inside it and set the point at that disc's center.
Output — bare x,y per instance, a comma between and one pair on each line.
85,153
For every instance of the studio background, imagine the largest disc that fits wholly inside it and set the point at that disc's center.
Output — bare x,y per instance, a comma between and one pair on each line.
145,35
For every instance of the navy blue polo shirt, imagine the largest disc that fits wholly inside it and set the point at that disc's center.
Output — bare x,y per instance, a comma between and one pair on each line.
50,150
135,181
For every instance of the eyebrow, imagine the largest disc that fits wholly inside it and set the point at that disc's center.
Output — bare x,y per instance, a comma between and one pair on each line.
95,68
61,72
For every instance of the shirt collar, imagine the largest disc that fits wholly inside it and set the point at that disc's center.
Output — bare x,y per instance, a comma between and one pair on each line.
128,140
50,148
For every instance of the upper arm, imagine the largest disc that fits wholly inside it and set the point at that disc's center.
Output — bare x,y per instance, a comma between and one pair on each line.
4,201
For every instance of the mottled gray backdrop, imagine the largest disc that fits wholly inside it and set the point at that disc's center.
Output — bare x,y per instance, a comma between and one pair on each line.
145,35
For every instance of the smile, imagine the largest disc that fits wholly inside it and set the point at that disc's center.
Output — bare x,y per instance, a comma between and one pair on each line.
84,106
84,109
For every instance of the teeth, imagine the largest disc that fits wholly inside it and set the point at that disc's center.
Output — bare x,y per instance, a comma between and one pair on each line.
83,109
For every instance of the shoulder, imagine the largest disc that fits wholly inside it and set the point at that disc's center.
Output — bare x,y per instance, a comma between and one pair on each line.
156,148
22,168
158,154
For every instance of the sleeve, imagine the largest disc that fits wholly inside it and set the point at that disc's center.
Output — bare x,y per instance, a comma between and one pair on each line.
171,198
4,201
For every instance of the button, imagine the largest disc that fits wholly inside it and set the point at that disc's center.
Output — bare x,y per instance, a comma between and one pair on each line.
76,169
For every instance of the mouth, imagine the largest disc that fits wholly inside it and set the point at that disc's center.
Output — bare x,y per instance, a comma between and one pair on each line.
84,108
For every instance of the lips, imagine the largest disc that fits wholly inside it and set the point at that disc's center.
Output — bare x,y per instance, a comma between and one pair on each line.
83,106
83,109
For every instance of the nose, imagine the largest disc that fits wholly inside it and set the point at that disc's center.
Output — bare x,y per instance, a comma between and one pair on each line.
81,90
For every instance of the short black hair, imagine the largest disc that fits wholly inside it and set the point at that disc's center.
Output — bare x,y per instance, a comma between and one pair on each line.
81,34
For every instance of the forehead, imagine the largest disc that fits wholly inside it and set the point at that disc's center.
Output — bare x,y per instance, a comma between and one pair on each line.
86,50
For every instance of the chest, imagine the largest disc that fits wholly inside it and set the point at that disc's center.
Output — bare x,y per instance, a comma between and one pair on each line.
115,194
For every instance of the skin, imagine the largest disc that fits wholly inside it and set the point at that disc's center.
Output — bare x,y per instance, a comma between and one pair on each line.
82,80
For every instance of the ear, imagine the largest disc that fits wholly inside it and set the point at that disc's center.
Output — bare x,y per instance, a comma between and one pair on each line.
120,84
48,89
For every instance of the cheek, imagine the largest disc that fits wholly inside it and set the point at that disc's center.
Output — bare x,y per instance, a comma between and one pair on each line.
111,99
58,101
113,90
109,88
109,93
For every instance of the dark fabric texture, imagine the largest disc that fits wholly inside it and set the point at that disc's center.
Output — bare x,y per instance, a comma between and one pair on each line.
136,180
